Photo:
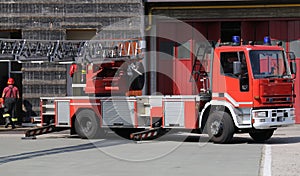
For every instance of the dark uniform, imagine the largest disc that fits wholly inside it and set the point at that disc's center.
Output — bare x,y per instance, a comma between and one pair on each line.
10,95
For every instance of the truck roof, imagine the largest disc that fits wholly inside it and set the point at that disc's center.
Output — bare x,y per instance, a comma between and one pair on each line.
225,48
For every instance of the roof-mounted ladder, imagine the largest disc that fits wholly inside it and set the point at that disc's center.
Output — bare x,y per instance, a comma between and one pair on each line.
62,51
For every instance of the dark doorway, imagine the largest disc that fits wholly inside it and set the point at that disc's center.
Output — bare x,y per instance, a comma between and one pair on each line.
11,34
229,29
11,69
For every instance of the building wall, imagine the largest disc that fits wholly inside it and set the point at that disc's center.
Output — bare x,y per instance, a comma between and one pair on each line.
49,19
61,20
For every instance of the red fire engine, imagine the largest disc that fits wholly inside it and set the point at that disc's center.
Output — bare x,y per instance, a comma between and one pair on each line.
241,88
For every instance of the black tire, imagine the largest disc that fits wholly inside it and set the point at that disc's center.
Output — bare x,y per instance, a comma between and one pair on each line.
220,127
87,125
261,135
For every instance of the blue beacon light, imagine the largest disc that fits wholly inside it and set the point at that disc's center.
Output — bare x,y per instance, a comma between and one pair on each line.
236,40
267,40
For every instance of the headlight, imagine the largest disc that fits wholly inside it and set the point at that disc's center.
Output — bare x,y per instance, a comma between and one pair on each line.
260,114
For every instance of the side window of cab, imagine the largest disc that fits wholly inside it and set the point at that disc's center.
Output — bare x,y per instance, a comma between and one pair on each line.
227,59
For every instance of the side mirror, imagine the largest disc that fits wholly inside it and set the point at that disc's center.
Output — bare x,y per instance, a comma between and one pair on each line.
293,67
237,67
291,55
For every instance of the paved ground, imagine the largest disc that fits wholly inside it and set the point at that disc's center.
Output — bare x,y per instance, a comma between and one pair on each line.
61,154
285,151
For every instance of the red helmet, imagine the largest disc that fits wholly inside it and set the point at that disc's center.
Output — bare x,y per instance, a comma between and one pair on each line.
10,81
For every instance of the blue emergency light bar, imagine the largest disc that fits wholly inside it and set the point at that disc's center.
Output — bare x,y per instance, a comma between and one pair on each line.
236,41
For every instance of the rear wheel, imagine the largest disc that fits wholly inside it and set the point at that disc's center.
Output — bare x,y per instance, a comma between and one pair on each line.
87,124
261,135
220,127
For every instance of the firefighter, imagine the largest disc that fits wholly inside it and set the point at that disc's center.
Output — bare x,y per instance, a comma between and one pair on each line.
73,69
10,95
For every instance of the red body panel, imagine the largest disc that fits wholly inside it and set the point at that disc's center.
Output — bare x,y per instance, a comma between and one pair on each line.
155,112
191,115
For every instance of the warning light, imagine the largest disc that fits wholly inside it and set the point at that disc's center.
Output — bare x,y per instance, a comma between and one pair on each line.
236,40
267,40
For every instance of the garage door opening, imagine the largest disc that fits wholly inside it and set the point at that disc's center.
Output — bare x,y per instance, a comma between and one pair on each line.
229,29
80,34
11,34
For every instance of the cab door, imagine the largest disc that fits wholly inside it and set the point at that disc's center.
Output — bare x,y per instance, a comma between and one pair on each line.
237,86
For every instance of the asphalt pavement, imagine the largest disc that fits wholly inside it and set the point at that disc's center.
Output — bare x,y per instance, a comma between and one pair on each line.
279,156
18,129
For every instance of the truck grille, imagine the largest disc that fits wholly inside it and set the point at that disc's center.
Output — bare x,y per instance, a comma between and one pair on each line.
279,115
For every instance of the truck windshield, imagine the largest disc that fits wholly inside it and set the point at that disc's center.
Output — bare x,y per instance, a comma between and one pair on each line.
269,64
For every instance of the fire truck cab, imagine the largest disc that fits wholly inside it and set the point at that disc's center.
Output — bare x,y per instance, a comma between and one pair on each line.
252,91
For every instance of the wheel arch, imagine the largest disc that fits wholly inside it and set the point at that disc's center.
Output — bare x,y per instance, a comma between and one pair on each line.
214,106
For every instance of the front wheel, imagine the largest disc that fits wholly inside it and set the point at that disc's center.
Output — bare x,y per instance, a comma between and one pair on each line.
220,127
261,135
87,124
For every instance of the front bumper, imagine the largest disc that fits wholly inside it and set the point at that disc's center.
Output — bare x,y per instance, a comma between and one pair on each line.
273,118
